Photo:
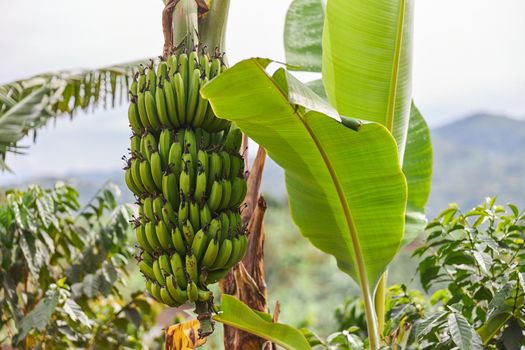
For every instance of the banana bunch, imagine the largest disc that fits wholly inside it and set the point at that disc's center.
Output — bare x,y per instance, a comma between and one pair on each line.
188,176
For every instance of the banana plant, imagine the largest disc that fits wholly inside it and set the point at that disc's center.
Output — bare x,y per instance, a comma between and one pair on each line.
347,188
29,104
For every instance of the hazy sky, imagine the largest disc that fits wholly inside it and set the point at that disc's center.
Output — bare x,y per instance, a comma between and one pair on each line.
468,56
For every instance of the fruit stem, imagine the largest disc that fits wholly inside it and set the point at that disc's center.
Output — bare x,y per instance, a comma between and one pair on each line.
202,309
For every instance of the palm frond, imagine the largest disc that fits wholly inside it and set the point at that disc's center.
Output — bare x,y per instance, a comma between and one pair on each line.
29,104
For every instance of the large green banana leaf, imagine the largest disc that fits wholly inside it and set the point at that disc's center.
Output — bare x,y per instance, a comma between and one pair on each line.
236,314
346,190
303,32
367,49
417,166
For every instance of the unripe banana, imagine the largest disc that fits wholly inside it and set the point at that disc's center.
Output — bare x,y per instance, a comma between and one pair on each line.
214,201
225,157
178,241
166,297
193,96
169,216
179,295
211,253
215,276
192,267
130,182
147,270
141,102
225,226
177,267
152,81
225,251
148,145
184,210
147,179
188,163
214,228
185,181
239,188
134,118
188,233
199,244
226,193
205,215
180,95
163,235
170,189
195,215
215,170
156,169
202,160
215,68
236,166
147,206
171,103
165,142
190,144
200,187
162,70
135,144
158,203
204,295
174,159
135,174
202,106
151,110
165,266
159,275
161,104
233,140
145,256
193,291
151,236
143,240
204,65
172,64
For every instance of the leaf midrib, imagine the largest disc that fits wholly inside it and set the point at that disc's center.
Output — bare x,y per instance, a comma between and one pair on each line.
363,278
392,96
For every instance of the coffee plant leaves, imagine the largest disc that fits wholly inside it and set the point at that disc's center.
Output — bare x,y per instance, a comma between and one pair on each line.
303,33
328,167
512,336
236,314
74,311
463,335
39,317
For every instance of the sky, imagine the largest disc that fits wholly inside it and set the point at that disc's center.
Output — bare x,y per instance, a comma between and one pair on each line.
468,58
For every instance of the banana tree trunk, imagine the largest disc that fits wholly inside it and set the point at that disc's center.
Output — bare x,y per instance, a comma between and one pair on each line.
246,281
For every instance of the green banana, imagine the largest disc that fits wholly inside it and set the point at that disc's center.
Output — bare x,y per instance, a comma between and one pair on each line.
193,96
158,203
159,275
163,235
179,295
156,169
135,174
161,104
194,214
147,206
165,142
171,103
178,270
143,240
178,241
135,144
147,179
205,215
212,250
192,267
130,182
225,225
200,188
164,263
225,252
180,95
204,295
184,209
134,118
141,102
188,233
151,236
190,144
215,170
239,189
214,201
166,297
151,110
147,270
170,189
199,244
193,291
226,193
174,158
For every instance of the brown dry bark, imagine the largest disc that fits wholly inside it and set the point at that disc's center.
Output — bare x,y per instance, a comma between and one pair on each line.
246,281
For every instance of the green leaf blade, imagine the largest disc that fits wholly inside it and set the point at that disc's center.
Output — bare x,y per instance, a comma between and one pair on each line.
303,34
237,314
367,50
346,189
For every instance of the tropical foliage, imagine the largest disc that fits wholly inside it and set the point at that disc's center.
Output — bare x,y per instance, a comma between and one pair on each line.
62,270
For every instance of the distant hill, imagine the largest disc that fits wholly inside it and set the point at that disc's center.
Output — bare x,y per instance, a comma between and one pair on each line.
478,156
